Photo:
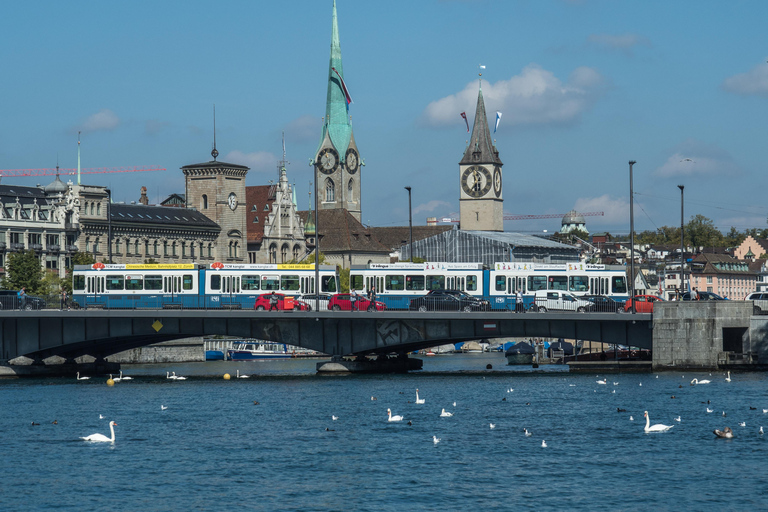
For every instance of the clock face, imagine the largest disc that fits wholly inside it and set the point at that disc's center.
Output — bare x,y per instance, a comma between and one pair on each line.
476,181
351,161
232,201
328,160
497,181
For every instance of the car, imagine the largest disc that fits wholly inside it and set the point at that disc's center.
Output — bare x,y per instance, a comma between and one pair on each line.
449,300
759,302
343,302
604,304
642,303
312,298
284,302
557,300
9,299
702,296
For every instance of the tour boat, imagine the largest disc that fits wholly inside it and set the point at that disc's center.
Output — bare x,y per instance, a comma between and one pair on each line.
258,349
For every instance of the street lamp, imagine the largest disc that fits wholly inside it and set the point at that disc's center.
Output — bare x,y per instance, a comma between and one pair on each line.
631,238
682,246
109,225
410,223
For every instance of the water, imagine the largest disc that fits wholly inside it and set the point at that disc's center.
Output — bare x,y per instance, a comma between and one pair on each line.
213,449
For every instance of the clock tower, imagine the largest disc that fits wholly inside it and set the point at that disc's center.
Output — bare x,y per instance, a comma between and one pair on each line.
337,162
481,200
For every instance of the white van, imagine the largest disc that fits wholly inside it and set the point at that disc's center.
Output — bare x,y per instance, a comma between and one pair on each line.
556,300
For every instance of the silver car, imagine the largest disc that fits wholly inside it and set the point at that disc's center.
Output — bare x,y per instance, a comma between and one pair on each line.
312,299
759,302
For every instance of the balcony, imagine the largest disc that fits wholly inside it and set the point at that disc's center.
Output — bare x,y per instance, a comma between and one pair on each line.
53,248
36,247
17,247
70,248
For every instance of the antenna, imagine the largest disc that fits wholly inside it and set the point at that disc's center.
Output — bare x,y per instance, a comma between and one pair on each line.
282,163
214,152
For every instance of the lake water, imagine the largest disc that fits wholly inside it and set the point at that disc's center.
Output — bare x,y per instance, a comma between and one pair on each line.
214,449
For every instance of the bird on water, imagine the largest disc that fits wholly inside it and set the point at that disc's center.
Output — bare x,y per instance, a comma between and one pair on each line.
659,427
101,438
726,433
393,418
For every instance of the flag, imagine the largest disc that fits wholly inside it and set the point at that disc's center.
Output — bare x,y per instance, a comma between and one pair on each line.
464,115
498,118
482,67
343,87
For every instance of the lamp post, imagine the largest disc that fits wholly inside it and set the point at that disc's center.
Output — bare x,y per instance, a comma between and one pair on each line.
109,225
410,223
631,238
682,244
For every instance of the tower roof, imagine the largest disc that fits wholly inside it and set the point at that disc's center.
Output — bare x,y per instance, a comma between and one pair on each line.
337,124
480,148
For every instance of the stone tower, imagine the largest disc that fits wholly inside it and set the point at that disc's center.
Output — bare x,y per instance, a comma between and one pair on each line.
481,201
337,161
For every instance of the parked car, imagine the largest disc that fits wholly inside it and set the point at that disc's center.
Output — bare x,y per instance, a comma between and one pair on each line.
10,300
702,296
322,300
556,300
284,302
759,302
343,302
642,303
604,304
449,300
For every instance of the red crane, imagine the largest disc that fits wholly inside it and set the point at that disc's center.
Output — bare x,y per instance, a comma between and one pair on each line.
13,173
530,217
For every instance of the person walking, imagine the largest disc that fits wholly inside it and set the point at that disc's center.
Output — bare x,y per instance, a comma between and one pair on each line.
273,302
519,306
22,294
694,294
63,298
353,299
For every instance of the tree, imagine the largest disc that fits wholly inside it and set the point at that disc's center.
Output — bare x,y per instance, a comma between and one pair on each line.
23,269
80,258
344,280
701,232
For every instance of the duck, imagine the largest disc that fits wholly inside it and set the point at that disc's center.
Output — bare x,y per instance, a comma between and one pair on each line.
726,433
619,409
101,416
101,438
329,429
761,430
35,424
82,378
654,428
373,398
696,381
242,376
435,439
631,418
393,418
418,400
728,378
445,414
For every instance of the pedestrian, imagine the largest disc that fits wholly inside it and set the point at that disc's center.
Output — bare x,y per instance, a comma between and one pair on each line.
273,302
694,294
519,306
63,298
22,294
372,297
353,299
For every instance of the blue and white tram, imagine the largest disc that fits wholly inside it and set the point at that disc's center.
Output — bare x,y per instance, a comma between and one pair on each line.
190,285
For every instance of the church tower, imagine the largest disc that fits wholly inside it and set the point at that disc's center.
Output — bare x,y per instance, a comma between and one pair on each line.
337,162
481,201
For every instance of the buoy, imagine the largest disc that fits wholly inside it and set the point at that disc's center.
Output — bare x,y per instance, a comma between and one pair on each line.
227,376
110,382
489,367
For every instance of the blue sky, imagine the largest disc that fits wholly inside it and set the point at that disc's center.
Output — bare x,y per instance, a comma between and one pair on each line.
584,86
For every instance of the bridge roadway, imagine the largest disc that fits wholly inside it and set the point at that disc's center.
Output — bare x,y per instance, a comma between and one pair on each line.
100,333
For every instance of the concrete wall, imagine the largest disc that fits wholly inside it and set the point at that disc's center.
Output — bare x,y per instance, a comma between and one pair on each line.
690,334
176,351
758,336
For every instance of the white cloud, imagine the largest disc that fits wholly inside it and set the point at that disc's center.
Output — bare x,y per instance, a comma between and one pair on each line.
615,209
303,129
103,120
258,161
623,42
755,81
536,96
696,158
431,206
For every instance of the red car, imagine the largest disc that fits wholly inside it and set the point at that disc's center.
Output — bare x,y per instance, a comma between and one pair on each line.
643,303
342,302
283,303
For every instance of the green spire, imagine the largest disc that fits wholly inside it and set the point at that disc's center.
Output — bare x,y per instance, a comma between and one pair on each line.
337,124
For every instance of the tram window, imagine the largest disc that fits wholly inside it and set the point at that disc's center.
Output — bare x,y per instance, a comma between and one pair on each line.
471,283
435,282
187,281
270,283
394,282
414,282
78,283
619,284
289,282
558,282
356,282
250,282
578,283
501,283
115,283
134,283
328,284
216,282
154,282
537,283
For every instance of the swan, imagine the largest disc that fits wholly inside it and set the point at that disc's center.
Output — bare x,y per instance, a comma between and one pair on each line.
393,418
169,376
418,400
728,378
765,411
710,410
101,438
124,378
726,433
655,428
695,381
178,377
435,439
163,407
334,418
543,443
527,432
493,425
242,376
81,378
115,379
604,381
446,414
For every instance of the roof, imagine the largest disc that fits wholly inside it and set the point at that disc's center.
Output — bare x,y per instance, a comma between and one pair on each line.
340,231
337,124
56,186
258,200
214,164
480,148
139,213
9,193
520,239
707,263
395,237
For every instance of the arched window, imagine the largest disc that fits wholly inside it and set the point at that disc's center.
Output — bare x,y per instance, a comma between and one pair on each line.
155,248
330,191
350,197
273,253
117,246
284,253
296,251
98,209
205,201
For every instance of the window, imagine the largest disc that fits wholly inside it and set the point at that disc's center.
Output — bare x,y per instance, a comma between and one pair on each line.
273,253
165,249
215,282
205,202
290,283
330,191
537,283
435,282
558,282
96,245
471,283
709,279
186,281
578,283
98,209
296,250
269,283
153,282
328,284
115,283
501,283
284,253
619,284
154,245
136,247
78,283
394,282
414,282
256,220
250,282
349,190
117,246
87,243
356,282
134,283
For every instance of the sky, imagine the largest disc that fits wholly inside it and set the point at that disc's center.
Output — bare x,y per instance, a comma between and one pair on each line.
584,86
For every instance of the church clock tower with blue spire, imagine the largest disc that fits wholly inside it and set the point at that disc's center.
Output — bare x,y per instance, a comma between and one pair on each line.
337,161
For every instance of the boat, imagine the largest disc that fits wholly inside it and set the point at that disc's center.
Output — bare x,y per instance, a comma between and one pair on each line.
519,353
257,349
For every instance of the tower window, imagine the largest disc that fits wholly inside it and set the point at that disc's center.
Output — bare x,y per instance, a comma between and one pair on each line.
205,201
351,183
330,191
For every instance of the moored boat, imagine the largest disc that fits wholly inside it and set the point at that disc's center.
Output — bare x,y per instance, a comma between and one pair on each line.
259,349
520,353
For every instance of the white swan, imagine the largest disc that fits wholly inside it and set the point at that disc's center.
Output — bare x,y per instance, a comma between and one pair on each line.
655,428
124,378
418,400
604,381
179,377
242,376
169,376
81,378
101,438
115,379
445,414
543,443
726,433
493,425
435,439
393,418
697,381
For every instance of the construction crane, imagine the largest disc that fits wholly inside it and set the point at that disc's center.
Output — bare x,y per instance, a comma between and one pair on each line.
531,217
15,173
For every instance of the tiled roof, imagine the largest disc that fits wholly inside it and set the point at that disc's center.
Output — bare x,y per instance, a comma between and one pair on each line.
340,231
138,213
215,164
395,237
26,195
707,263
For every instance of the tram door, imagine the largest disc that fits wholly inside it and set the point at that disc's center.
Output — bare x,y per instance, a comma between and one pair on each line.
94,285
307,284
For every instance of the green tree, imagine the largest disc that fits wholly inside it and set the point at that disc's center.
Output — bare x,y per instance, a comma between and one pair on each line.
80,258
344,280
23,269
701,232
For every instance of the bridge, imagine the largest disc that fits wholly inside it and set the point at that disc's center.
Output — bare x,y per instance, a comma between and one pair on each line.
100,333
